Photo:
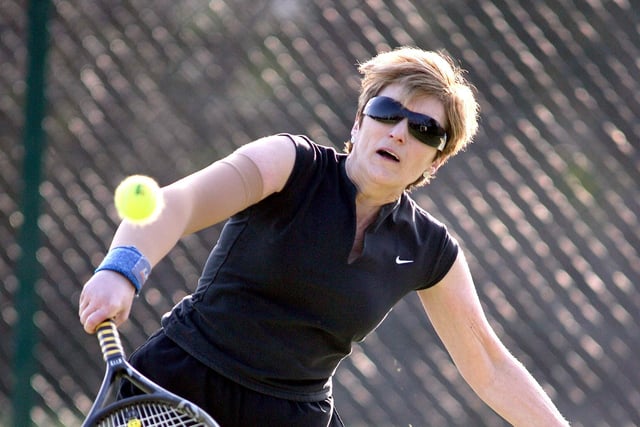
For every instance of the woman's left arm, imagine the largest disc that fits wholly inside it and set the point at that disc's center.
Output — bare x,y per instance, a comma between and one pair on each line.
496,376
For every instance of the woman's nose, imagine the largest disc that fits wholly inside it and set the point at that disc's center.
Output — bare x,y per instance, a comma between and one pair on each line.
399,131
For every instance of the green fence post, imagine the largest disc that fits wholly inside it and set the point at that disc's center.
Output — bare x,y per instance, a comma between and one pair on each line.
29,239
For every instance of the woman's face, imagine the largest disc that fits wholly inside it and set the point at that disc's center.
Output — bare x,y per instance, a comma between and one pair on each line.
387,155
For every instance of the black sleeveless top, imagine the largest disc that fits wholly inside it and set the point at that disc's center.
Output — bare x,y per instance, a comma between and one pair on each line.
279,305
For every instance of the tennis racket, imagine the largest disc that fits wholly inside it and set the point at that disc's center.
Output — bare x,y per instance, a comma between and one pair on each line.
158,407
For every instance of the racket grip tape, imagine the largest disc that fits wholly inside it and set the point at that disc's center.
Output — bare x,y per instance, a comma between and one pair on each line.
109,340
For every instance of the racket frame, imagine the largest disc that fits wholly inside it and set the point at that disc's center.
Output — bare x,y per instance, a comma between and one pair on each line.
118,368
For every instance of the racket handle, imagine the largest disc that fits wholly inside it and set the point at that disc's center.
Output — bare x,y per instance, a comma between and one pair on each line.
109,340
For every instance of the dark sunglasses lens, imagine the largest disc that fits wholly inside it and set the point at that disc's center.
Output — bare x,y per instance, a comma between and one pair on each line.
384,110
430,133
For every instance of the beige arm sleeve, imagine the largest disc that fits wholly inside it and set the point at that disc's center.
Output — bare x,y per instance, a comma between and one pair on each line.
219,191
249,188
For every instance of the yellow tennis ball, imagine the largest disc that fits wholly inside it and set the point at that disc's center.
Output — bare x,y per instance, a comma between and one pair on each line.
134,423
138,199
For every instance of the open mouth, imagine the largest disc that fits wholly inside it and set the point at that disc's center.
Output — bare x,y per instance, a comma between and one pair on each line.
388,155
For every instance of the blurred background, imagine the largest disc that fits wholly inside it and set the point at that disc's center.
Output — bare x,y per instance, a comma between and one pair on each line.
545,201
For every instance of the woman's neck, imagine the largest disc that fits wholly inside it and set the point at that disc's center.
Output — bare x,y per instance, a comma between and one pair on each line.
370,195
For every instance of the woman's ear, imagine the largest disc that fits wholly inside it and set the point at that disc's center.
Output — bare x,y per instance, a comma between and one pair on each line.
433,168
439,161
354,130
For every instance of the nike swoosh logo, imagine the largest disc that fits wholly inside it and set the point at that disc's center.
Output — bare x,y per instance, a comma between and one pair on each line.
403,261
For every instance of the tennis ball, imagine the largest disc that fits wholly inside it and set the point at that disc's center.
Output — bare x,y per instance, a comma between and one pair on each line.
134,422
138,199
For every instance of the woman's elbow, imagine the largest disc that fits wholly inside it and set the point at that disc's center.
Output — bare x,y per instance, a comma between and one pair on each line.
481,369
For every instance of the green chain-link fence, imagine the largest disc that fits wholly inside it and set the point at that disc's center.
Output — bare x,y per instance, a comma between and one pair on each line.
546,201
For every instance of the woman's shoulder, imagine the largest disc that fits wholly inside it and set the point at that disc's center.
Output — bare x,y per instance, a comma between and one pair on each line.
304,142
419,218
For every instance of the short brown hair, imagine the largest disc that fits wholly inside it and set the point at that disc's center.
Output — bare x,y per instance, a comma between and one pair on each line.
422,73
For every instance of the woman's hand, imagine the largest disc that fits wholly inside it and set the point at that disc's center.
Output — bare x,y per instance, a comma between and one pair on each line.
107,295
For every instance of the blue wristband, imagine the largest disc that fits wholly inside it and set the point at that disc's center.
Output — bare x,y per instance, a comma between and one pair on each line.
128,261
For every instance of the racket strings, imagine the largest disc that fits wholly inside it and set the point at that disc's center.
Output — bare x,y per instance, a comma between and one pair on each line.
149,414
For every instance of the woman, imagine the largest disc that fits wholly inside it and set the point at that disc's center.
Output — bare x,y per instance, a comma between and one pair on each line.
317,249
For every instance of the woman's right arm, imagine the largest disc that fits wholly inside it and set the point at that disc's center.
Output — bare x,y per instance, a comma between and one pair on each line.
193,203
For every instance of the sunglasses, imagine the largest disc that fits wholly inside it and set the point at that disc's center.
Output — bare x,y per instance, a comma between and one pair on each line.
424,128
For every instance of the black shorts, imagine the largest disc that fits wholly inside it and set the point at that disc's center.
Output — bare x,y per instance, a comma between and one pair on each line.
229,403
